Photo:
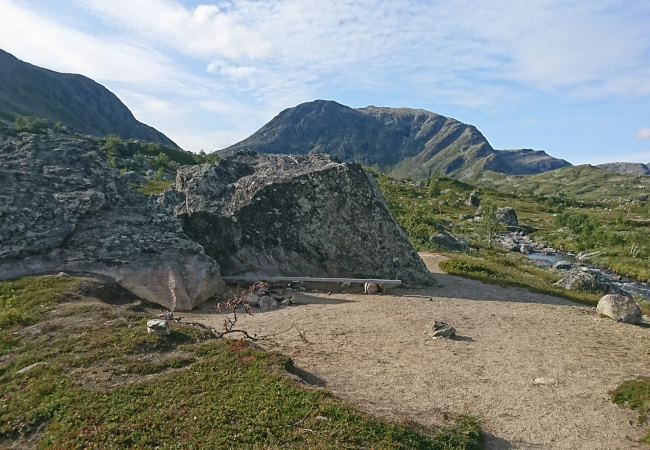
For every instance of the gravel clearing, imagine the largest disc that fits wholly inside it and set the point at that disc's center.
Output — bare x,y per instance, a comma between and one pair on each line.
537,370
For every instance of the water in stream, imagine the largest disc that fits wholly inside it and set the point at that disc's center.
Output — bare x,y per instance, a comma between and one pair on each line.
630,286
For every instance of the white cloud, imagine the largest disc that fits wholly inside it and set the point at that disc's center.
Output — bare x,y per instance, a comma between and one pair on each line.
204,30
642,133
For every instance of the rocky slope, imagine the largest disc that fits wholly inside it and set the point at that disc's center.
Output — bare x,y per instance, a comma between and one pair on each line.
626,167
74,100
400,141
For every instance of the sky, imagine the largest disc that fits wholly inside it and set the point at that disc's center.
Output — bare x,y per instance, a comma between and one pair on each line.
571,77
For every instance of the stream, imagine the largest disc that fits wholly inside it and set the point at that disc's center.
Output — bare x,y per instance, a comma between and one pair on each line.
633,287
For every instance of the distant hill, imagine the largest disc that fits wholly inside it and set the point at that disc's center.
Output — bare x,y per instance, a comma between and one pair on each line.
584,182
406,143
74,100
626,167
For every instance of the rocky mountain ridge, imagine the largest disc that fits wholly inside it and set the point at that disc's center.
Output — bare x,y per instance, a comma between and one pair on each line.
75,100
626,167
403,142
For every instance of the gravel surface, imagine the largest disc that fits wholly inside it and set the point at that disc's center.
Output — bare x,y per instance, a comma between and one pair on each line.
537,370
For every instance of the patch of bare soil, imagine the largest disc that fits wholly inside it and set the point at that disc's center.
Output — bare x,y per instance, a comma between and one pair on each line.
373,351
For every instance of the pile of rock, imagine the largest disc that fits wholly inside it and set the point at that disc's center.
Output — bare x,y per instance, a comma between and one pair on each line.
271,297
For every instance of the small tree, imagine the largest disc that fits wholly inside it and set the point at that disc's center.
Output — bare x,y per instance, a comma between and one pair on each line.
434,189
161,160
489,225
30,124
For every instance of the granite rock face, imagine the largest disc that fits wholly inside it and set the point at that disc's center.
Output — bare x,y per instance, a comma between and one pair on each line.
63,207
282,215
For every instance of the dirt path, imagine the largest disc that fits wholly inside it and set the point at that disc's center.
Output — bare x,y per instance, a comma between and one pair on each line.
371,350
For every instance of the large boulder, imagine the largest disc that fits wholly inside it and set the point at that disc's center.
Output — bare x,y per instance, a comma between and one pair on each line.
280,215
507,216
444,240
619,307
64,207
585,279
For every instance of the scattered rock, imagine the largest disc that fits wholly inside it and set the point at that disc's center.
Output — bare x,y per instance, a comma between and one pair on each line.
585,257
562,265
287,301
267,303
473,199
441,329
158,326
542,380
507,216
253,300
444,240
31,367
526,249
620,308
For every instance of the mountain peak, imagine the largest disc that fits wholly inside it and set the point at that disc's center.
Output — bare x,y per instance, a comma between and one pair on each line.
404,142
75,100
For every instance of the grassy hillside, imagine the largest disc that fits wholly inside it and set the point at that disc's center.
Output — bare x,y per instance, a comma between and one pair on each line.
576,208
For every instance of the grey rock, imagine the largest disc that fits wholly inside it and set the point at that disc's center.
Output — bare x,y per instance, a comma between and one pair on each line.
562,265
253,299
584,279
278,215
158,326
441,329
586,256
26,370
473,200
626,167
445,240
526,249
71,211
620,308
507,216
267,303
134,177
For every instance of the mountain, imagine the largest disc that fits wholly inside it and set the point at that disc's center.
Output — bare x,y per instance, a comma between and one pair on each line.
404,142
626,167
74,100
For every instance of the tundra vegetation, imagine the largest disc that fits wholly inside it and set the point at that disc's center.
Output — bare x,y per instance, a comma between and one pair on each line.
551,208
77,372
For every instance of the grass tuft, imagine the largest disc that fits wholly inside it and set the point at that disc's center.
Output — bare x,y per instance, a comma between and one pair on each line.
635,394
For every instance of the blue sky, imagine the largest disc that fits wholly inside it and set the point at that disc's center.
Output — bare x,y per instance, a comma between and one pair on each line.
568,77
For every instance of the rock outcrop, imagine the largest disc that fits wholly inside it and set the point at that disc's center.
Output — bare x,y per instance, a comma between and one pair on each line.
507,216
626,167
281,215
444,240
63,207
